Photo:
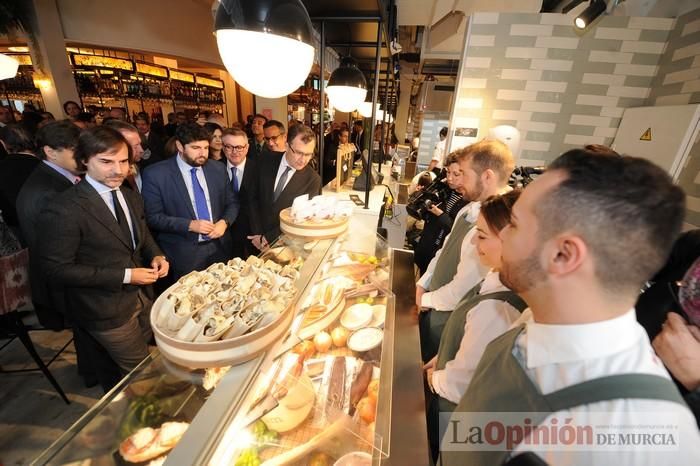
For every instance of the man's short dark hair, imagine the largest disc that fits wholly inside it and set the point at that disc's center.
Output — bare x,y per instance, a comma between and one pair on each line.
307,134
626,209
234,132
57,135
120,125
443,131
211,127
68,102
260,115
191,132
99,140
17,139
278,124
358,123
85,117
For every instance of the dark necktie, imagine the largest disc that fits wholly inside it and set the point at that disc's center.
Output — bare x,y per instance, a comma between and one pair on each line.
234,180
121,218
200,199
280,184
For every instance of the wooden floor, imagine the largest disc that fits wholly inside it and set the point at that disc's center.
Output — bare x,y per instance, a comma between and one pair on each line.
32,414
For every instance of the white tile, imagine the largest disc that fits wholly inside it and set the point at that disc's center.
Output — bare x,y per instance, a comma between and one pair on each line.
603,101
590,120
470,103
636,70
547,107
507,94
676,99
521,74
556,19
525,52
638,46
578,140
540,126
617,33
548,86
659,24
553,65
682,76
510,115
477,62
479,40
610,57
692,203
629,91
605,132
557,42
466,122
599,78
613,112
485,18
687,51
473,83
690,28
531,30
536,145
691,86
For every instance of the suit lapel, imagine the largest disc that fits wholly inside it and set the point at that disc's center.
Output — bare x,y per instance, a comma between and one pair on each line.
180,186
213,192
98,209
55,177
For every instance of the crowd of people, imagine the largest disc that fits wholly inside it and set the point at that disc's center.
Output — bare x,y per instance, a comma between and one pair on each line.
113,213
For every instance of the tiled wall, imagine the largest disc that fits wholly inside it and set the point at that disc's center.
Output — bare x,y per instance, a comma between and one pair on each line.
430,135
559,88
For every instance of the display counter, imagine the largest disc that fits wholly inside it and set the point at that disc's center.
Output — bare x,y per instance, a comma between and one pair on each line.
343,384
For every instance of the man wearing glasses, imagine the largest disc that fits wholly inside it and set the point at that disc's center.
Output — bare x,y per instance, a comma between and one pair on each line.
243,176
275,136
282,177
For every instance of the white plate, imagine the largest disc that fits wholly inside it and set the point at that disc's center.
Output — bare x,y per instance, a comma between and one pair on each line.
356,316
365,339
378,315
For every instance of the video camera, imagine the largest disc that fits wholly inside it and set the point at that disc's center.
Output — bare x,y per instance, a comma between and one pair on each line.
522,176
420,202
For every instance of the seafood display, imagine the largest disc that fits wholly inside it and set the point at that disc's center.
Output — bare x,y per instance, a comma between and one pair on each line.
226,300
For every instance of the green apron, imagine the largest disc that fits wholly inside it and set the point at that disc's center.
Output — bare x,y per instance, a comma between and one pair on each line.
500,384
432,322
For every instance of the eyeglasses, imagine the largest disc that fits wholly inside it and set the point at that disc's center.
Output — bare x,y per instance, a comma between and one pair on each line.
272,138
303,154
235,148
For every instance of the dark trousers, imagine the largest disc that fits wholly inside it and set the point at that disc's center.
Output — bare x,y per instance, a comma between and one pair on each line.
436,405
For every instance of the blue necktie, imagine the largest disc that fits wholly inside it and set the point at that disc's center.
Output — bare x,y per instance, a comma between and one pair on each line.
234,180
200,200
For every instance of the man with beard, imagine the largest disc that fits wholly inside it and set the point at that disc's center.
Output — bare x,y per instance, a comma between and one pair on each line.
95,244
485,168
189,204
584,238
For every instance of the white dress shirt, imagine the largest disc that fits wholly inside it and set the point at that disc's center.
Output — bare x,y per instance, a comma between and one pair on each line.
283,166
469,271
557,356
439,153
240,168
187,176
105,193
484,322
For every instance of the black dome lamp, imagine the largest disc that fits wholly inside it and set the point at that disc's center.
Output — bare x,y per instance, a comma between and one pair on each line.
347,86
266,45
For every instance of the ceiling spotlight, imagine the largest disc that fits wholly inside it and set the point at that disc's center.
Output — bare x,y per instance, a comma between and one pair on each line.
347,86
594,9
266,45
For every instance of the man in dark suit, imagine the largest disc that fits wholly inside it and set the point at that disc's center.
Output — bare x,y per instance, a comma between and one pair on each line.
59,171
282,177
243,175
190,204
133,179
257,142
97,246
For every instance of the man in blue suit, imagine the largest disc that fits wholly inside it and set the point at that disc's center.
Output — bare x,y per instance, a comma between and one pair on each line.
189,204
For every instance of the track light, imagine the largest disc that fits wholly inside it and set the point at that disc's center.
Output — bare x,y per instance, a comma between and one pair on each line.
594,9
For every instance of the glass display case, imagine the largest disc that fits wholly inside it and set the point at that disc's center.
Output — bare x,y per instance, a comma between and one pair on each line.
322,394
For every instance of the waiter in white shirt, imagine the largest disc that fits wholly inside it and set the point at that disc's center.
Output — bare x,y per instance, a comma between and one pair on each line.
455,269
438,159
583,239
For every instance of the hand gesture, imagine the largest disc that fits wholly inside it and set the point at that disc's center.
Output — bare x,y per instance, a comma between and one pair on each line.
678,346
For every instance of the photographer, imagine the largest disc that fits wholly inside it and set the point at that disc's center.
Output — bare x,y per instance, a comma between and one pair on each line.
440,217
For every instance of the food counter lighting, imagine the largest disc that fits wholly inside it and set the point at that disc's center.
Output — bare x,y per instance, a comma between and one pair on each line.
265,44
347,86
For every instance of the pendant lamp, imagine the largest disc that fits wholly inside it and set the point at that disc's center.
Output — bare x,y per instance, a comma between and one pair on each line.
365,109
265,44
8,66
347,86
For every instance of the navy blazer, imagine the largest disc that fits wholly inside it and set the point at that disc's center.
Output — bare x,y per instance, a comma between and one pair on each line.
169,210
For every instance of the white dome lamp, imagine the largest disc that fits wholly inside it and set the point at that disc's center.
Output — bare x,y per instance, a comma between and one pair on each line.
508,135
347,86
365,109
8,66
265,44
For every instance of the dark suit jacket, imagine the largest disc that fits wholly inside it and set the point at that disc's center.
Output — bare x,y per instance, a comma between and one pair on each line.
253,151
264,212
240,229
14,170
169,212
83,249
41,188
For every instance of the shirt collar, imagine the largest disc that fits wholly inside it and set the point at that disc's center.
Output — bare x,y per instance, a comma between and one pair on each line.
71,177
99,187
492,283
284,164
184,166
471,211
555,344
240,167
